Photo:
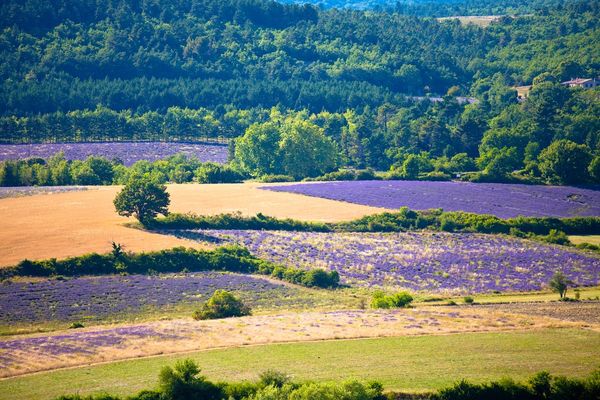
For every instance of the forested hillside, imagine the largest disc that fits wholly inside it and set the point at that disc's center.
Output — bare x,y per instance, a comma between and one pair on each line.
439,8
191,69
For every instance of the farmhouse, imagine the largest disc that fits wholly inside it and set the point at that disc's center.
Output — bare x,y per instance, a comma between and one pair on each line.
585,83
523,91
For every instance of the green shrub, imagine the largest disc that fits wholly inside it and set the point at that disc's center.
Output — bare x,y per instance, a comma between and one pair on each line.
398,300
588,246
556,237
183,382
273,378
320,278
435,176
216,173
222,304
468,300
276,178
366,175
342,175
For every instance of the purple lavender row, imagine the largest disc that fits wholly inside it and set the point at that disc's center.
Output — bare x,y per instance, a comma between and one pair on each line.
128,152
502,200
105,296
434,262
76,342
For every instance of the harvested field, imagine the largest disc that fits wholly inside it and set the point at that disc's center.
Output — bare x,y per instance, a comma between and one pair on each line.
25,354
592,239
588,312
74,223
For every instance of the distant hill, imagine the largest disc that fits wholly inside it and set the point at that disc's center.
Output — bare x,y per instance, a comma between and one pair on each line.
439,8
164,69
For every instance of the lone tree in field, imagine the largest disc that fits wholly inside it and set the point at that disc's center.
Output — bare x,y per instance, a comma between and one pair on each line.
222,304
142,199
559,284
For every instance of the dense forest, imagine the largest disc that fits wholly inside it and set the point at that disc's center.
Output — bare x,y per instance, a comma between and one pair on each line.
386,87
439,8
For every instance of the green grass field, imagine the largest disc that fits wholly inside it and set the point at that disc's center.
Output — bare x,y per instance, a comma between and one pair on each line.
411,364
592,239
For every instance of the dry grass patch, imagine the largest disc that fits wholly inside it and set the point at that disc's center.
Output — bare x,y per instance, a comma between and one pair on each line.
72,348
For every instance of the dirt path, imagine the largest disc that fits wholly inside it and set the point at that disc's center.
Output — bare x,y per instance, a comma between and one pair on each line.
67,224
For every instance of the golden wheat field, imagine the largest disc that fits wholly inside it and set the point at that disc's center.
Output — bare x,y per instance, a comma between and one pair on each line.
73,223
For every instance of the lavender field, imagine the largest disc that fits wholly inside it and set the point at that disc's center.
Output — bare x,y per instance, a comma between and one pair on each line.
502,200
128,152
432,262
96,298
20,191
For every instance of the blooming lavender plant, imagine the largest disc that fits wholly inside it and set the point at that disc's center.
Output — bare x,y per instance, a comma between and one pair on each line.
424,261
128,152
105,296
502,200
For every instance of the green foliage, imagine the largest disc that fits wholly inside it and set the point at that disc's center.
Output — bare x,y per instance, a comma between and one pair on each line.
553,230
235,221
179,259
222,304
541,386
183,382
276,178
142,199
468,300
594,169
556,237
100,171
559,283
565,162
216,173
292,146
273,378
397,300
211,70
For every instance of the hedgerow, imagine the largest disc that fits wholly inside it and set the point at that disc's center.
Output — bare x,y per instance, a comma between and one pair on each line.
178,259
399,221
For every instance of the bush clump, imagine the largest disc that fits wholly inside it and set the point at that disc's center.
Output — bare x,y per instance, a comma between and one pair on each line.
222,304
397,300
179,259
276,178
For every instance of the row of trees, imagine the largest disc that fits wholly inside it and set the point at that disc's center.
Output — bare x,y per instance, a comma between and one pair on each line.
57,171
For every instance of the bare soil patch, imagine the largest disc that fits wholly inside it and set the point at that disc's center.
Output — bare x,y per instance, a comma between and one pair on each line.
585,311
